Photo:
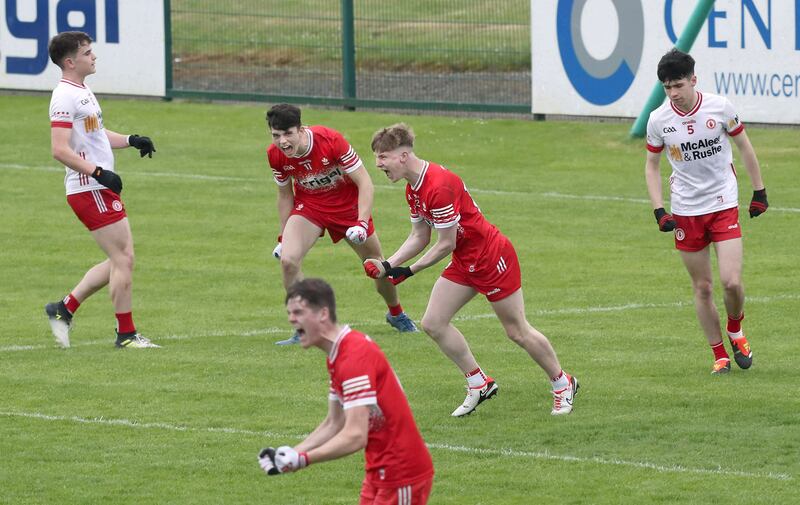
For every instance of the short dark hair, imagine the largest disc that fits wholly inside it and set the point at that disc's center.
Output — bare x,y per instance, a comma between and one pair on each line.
65,45
316,292
675,65
392,137
283,116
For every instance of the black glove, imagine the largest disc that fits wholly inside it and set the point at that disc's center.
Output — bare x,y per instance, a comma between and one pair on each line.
143,144
665,220
759,204
397,275
266,459
108,179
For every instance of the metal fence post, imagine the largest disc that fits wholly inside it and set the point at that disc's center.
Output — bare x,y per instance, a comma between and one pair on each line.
348,54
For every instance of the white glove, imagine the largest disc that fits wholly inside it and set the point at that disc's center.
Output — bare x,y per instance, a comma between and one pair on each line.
289,460
277,251
358,234
266,459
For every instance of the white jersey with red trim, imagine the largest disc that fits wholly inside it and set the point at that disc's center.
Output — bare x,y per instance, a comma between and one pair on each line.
703,177
320,179
74,106
360,375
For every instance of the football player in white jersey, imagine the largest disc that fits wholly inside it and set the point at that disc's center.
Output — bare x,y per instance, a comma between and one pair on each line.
695,128
80,141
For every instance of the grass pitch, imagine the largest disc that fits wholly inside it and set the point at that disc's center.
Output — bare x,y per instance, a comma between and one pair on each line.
183,424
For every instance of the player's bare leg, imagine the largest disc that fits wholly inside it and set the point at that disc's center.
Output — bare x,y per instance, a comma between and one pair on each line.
299,236
93,280
117,242
729,259
698,264
511,312
371,248
446,299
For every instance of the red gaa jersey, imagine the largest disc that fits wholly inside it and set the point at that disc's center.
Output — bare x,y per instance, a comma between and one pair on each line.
320,180
441,199
395,455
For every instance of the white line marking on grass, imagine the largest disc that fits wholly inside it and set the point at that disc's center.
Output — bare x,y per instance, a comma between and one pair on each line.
277,330
644,465
625,307
477,191
109,342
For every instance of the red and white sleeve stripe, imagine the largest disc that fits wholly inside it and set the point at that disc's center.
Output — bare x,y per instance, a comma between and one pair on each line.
358,391
445,217
350,161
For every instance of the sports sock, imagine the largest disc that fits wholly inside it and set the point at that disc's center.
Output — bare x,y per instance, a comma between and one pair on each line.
125,323
396,310
71,303
719,352
476,378
560,381
735,326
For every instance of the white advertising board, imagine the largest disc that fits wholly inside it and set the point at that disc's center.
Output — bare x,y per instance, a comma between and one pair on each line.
128,35
599,57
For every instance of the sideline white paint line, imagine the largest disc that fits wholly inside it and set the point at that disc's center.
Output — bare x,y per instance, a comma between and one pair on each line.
645,465
477,191
276,330
505,452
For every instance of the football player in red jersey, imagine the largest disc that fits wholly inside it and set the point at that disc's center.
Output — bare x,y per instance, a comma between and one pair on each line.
483,261
367,408
695,128
332,191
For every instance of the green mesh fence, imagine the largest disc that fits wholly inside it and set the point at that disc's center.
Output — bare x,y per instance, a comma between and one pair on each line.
413,53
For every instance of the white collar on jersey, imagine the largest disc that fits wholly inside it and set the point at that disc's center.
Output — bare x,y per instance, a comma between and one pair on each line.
335,349
422,173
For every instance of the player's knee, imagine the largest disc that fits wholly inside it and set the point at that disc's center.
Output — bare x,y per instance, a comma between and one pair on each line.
432,325
704,288
290,263
732,284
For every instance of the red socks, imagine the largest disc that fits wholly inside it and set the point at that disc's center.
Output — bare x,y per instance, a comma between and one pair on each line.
71,303
719,352
735,325
396,310
125,323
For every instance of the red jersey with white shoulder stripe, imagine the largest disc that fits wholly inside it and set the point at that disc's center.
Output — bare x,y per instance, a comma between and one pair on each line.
360,375
703,177
75,107
441,199
320,177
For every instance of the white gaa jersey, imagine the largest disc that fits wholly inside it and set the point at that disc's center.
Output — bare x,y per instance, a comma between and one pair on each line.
703,178
74,106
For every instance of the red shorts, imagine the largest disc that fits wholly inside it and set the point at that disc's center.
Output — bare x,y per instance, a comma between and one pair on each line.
412,494
496,276
336,223
694,233
97,208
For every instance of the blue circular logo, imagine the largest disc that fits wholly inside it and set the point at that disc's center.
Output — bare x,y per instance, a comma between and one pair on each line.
600,82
